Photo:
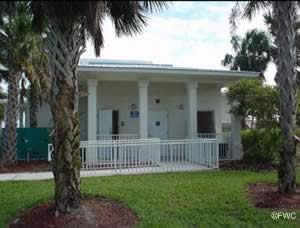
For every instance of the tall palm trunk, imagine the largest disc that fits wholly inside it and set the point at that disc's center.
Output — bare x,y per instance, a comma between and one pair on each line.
33,98
64,51
10,135
285,12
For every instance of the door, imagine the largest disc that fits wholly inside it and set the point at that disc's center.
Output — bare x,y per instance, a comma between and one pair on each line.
105,127
158,124
206,122
105,122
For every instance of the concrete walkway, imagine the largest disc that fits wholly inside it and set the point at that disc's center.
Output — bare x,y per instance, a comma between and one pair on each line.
163,168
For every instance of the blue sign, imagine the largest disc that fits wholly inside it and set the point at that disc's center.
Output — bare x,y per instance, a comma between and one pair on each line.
134,114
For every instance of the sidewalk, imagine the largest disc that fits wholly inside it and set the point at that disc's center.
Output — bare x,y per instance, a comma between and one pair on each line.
108,172
49,175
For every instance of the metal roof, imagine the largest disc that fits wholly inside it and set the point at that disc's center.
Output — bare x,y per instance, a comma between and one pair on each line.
119,65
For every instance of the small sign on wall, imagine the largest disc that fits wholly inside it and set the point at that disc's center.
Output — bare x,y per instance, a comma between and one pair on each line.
134,114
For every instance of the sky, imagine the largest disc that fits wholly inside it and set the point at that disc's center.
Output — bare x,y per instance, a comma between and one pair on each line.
187,34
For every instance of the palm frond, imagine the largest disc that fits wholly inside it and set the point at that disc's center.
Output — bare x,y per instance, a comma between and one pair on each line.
37,9
245,10
227,61
152,6
235,42
253,7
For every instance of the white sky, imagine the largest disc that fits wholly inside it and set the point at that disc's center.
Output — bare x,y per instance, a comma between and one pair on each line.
189,34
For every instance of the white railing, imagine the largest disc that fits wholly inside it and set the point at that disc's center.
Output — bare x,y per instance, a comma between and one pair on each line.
119,154
116,136
149,155
189,154
224,143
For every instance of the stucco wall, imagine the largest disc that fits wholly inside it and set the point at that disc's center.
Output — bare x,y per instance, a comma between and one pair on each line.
121,95
44,116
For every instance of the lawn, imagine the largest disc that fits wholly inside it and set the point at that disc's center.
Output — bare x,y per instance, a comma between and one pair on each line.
207,198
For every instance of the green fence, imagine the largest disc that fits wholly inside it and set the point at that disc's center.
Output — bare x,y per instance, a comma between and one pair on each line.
32,143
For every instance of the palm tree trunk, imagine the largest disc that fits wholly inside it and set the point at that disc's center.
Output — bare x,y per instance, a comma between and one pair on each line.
33,98
64,51
10,134
285,12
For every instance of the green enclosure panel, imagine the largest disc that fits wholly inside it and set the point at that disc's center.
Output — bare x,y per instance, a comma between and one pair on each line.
32,143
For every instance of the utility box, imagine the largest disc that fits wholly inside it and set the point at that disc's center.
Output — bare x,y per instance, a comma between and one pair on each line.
32,143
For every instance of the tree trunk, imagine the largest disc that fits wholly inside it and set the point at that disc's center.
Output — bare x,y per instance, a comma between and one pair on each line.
285,12
10,134
34,100
64,53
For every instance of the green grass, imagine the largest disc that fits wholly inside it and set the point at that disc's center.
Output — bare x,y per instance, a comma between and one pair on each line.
208,199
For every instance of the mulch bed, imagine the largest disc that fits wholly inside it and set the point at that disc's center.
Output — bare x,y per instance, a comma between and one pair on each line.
241,165
24,166
264,195
94,212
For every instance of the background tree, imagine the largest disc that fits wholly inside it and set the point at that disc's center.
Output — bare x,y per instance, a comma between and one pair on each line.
255,100
252,52
285,15
67,26
16,42
39,88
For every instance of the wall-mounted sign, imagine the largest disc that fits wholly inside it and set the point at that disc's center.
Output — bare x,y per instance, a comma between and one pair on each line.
134,114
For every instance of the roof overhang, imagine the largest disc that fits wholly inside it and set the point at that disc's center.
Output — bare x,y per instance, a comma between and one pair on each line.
128,73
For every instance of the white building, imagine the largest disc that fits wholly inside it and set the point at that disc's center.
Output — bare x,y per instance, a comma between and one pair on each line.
151,101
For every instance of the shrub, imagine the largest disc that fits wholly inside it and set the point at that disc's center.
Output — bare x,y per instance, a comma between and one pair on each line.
261,145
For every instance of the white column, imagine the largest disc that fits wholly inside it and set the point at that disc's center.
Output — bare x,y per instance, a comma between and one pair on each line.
92,155
192,109
235,137
92,109
143,107
27,112
219,109
21,122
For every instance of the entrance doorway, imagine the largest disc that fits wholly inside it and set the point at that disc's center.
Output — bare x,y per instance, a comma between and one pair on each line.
158,124
108,122
206,122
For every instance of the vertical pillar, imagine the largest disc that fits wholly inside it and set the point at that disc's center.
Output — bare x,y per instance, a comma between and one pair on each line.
219,109
92,153
27,111
143,106
192,109
235,137
92,109
21,122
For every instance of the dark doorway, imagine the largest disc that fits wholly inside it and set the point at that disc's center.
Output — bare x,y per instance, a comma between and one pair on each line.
206,122
115,122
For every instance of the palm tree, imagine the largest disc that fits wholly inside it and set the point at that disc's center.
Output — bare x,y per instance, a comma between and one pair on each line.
39,82
67,25
284,14
16,43
252,53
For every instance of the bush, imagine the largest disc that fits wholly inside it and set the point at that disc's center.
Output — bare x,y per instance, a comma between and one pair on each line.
261,146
